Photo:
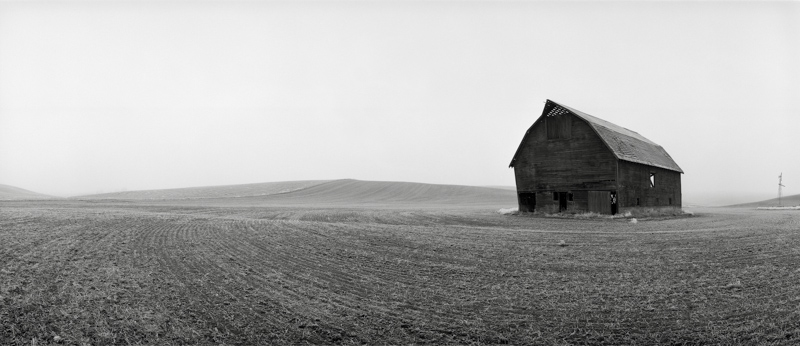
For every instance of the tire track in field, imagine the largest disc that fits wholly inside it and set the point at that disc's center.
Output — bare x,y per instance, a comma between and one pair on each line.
739,258
730,258
288,248
219,246
289,258
331,286
400,271
220,283
228,257
389,275
180,246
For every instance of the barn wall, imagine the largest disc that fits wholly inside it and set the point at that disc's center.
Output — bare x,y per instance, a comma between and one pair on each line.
577,163
634,182
545,202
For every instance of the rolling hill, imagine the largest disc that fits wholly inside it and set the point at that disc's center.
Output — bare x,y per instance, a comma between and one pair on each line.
786,201
8,192
224,191
345,192
357,192
502,187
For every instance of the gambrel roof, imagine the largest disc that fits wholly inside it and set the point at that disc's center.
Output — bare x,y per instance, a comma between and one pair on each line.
626,145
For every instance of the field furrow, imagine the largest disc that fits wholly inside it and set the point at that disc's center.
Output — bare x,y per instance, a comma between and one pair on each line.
158,273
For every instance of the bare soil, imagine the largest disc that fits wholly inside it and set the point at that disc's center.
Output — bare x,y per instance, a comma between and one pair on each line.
176,273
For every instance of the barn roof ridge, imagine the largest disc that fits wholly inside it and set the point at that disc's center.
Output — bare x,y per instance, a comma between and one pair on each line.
627,145
607,124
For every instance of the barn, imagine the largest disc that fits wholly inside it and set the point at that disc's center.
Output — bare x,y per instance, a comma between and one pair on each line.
571,161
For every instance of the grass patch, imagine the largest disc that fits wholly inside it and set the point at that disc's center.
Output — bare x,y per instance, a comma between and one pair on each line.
508,211
644,212
640,213
779,208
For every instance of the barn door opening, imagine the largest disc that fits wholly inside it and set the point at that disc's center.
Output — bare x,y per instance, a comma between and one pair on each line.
600,202
562,201
527,201
613,202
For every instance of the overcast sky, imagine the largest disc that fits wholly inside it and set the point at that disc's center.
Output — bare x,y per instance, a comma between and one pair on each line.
109,96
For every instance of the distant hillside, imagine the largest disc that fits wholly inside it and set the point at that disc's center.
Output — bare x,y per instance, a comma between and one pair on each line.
502,187
224,191
346,192
357,192
14,193
792,200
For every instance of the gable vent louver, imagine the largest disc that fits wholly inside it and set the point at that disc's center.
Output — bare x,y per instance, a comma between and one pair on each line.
557,110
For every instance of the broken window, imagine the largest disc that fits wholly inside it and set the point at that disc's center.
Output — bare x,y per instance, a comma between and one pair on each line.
652,180
637,200
569,197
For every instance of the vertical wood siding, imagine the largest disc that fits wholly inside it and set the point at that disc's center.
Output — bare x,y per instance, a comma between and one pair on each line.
600,202
578,163
634,182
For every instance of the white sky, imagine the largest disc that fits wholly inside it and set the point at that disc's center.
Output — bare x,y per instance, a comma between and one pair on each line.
101,97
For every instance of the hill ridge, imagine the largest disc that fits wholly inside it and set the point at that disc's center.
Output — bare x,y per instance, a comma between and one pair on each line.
791,200
340,192
8,192
213,191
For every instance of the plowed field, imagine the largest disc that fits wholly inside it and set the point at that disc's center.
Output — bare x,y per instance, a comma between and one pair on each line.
104,273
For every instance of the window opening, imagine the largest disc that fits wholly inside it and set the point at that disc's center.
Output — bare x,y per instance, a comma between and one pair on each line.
657,201
569,197
555,196
670,201
637,200
652,180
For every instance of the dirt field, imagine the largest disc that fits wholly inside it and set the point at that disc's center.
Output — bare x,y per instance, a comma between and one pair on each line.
205,272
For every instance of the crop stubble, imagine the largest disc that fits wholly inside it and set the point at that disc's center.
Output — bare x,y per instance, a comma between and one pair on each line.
110,273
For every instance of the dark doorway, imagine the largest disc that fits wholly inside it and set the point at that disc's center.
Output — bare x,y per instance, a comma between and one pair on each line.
613,202
527,201
562,201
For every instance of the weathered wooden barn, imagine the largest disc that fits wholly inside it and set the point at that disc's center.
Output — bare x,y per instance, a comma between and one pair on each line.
571,161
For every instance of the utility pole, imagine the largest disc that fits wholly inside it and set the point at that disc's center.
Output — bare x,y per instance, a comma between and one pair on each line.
780,185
